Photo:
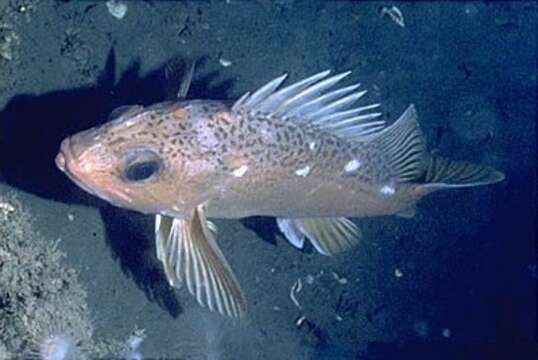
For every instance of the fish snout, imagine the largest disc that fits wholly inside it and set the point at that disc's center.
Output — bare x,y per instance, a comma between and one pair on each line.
72,159
60,159
74,155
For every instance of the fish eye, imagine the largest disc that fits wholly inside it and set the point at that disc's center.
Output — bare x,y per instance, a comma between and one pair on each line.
141,171
142,166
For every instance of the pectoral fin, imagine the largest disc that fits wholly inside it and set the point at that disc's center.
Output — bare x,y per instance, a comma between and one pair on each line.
329,236
190,254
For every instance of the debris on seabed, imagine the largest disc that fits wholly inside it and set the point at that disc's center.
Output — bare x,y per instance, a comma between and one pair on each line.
117,8
470,9
70,216
300,321
295,289
394,13
421,328
398,273
9,40
133,344
446,332
225,62
6,208
341,280
338,317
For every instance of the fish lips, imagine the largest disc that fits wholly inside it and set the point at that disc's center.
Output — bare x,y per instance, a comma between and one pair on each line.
66,161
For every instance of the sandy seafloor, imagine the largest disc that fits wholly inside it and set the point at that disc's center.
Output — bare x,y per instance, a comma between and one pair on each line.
457,281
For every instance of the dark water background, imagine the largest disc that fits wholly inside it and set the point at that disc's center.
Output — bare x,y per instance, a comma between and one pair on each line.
456,281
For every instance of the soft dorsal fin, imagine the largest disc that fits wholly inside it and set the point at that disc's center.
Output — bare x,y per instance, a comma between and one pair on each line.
311,101
403,146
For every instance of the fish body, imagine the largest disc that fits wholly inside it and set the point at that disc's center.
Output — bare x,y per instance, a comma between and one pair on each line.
304,153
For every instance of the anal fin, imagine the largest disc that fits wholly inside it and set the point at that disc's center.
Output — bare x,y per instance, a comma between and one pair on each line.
190,255
329,236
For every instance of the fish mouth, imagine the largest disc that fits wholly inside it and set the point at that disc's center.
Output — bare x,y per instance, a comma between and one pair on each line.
60,158
69,161
65,161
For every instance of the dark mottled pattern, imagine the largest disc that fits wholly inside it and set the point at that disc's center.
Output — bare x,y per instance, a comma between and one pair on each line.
207,130
255,162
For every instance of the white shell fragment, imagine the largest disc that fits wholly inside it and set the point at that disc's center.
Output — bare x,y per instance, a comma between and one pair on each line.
240,171
398,273
117,8
300,321
303,171
295,289
353,165
395,14
225,62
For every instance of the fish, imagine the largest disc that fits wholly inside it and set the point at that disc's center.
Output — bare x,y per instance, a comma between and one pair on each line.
309,154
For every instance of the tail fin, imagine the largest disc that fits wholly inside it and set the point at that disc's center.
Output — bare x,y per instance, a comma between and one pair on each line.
444,173
405,149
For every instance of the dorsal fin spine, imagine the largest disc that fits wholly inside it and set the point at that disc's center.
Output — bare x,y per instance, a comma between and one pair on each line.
310,101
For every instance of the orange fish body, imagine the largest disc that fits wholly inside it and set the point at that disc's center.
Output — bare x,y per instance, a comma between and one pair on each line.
304,154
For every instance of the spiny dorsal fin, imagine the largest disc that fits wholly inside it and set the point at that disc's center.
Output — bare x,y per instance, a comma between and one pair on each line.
311,101
330,236
190,255
404,146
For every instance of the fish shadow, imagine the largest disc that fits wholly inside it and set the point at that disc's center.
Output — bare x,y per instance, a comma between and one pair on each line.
32,127
265,227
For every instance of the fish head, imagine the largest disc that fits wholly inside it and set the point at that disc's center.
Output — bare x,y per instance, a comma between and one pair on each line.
144,160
